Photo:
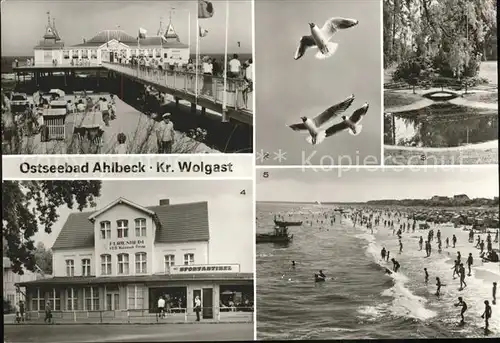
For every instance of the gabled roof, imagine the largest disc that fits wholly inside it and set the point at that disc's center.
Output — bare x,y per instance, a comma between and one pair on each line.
107,35
176,223
120,201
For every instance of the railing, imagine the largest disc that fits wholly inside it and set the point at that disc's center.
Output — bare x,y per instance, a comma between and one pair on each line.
131,316
200,85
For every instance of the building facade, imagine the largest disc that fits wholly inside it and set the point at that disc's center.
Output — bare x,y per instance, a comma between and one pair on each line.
110,46
125,256
11,292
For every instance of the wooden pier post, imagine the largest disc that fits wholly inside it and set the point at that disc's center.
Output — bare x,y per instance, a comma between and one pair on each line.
193,107
203,111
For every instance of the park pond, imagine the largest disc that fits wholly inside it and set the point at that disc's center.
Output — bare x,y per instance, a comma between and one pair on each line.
441,124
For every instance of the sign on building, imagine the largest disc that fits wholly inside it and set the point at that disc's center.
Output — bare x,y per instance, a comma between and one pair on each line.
207,268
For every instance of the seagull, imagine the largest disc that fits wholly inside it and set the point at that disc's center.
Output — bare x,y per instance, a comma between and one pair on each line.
320,38
351,124
316,135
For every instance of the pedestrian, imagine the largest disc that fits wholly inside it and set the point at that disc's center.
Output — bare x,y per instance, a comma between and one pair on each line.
470,261
197,307
494,293
48,313
161,307
462,303
165,135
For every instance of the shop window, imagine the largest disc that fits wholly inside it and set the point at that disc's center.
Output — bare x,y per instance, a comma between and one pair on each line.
175,298
66,54
135,297
105,230
236,298
140,227
71,299
122,228
123,264
169,262
86,267
70,268
188,259
106,264
55,299
91,296
37,300
140,263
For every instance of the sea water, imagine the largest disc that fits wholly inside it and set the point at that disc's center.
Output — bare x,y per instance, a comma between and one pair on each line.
360,300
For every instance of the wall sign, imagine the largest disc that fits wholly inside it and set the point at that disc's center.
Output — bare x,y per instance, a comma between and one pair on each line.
207,268
124,245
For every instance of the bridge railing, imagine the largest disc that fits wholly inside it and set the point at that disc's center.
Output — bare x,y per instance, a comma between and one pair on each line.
238,90
143,315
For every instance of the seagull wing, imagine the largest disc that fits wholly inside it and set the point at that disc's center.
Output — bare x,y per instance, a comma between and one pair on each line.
335,129
305,43
329,28
333,111
298,127
358,115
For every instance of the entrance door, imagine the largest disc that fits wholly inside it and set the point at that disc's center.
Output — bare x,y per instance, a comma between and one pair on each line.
112,301
207,303
111,56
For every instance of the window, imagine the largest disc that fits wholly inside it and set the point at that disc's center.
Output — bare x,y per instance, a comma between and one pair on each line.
105,230
106,264
140,263
158,53
85,53
55,299
188,259
71,301
75,54
70,268
93,54
91,296
169,261
140,227
86,267
66,54
37,301
135,297
122,228
122,263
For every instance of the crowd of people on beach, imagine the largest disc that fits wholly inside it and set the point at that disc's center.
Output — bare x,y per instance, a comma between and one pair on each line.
408,224
399,223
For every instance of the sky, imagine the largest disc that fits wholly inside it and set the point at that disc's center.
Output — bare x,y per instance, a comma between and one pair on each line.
230,213
288,89
23,22
239,28
364,184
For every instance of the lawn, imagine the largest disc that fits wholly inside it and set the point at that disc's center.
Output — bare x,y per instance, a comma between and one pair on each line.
128,333
395,99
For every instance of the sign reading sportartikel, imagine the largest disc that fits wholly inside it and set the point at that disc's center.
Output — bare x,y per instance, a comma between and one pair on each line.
206,268
122,245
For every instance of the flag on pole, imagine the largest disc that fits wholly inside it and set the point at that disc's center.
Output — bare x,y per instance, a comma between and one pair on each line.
142,32
205,9
202,32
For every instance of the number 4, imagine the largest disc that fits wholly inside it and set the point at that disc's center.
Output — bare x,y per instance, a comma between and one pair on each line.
243,192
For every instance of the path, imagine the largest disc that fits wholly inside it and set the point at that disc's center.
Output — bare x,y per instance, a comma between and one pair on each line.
128,333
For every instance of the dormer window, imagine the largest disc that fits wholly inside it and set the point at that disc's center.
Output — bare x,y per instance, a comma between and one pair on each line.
140,227
105,230
122,228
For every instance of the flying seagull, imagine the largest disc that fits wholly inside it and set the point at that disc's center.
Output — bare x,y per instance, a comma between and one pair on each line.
313,126
320,38
351,124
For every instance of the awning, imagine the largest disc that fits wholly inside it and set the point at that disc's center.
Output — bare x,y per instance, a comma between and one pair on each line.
93,280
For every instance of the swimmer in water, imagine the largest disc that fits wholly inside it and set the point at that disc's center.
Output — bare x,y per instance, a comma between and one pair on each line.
320,274
439,285
486,315
426,275
293,264
388,253
462,303
396,265
382,253
494,293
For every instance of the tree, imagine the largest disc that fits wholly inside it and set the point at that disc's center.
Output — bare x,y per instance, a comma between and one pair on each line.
28,205
43,258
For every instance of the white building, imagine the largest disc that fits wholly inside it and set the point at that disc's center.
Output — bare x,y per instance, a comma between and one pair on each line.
10,292
110,46
124,256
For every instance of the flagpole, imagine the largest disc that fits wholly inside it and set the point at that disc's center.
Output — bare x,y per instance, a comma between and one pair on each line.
189,31
197,53
224,96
